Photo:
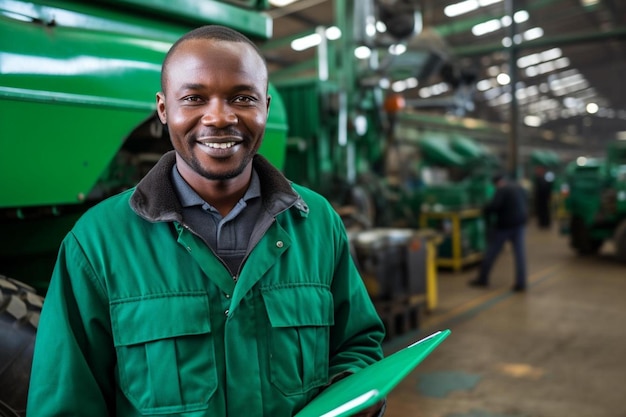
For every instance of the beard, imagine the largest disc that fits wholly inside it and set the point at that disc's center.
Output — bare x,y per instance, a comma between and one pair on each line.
215,175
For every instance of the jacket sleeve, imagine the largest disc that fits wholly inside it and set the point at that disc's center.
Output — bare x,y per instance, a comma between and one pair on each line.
356,337
72,372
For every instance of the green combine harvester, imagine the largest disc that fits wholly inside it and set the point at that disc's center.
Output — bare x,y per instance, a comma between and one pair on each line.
595,202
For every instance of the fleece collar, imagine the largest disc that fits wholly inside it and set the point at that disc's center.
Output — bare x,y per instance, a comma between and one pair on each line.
155,199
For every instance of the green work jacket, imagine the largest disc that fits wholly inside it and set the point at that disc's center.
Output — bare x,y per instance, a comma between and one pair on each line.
142,318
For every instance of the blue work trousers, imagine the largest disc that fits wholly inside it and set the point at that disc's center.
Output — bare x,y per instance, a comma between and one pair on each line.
497,239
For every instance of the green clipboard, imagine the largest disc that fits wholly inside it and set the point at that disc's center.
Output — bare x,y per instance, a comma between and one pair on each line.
369,385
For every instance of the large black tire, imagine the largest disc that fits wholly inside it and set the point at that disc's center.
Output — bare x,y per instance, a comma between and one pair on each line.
20,308
580,238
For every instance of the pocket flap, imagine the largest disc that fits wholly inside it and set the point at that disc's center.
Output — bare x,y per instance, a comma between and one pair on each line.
299,305
146,319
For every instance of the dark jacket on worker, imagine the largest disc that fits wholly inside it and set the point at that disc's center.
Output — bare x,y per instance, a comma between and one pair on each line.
509,206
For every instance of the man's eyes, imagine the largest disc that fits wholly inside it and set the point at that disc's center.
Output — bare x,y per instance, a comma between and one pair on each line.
192,99
238,99
244,99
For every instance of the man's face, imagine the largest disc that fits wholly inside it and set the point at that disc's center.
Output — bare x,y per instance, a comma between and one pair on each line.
215,104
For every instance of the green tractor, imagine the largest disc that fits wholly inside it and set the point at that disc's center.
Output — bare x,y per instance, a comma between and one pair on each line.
595,202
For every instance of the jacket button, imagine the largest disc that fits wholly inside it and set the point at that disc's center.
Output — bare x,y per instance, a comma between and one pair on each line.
226,312
279,244
227,295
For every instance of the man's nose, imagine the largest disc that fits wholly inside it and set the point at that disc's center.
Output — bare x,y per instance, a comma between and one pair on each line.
219,113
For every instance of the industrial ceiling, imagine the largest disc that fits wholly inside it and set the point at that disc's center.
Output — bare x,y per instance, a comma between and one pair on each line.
569,58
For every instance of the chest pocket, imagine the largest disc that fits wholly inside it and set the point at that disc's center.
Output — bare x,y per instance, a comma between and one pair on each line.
300,317
166,358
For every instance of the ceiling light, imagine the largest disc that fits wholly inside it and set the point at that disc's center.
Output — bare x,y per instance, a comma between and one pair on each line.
362,52
397,49
503,78
485,3
460,8
483,85
592,108
411,82
553,53
306,42
281,3
398,86
534,33
521,16
532,121
486,27
332,33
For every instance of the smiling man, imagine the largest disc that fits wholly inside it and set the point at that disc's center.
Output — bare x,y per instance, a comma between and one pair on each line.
215,287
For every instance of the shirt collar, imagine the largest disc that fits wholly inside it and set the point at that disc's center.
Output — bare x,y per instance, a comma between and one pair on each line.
188,197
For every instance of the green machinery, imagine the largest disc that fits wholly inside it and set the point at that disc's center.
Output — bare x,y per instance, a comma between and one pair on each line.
77,109
595,202
455,174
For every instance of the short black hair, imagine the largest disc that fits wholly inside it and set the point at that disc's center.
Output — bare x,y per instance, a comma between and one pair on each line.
215,32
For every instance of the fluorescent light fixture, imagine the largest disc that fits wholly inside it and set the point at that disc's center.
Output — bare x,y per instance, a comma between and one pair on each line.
314,39
281,3
460,8
496,24
486,27
521,16
467,6
306,42
534,33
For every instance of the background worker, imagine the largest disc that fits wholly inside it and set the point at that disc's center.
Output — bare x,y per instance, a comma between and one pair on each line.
215,287
506,215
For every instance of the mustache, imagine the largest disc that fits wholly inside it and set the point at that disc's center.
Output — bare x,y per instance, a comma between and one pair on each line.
228,132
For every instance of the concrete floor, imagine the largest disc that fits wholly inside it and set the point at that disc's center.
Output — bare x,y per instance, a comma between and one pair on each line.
557,350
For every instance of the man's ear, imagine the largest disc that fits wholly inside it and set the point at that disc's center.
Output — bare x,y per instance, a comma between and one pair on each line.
269,99
160,102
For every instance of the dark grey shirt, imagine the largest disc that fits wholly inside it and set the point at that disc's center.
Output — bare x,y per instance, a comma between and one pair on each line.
227,236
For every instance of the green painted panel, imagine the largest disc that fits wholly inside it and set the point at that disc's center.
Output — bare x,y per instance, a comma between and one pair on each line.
57,152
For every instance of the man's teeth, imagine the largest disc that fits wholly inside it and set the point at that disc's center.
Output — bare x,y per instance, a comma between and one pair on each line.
220,145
